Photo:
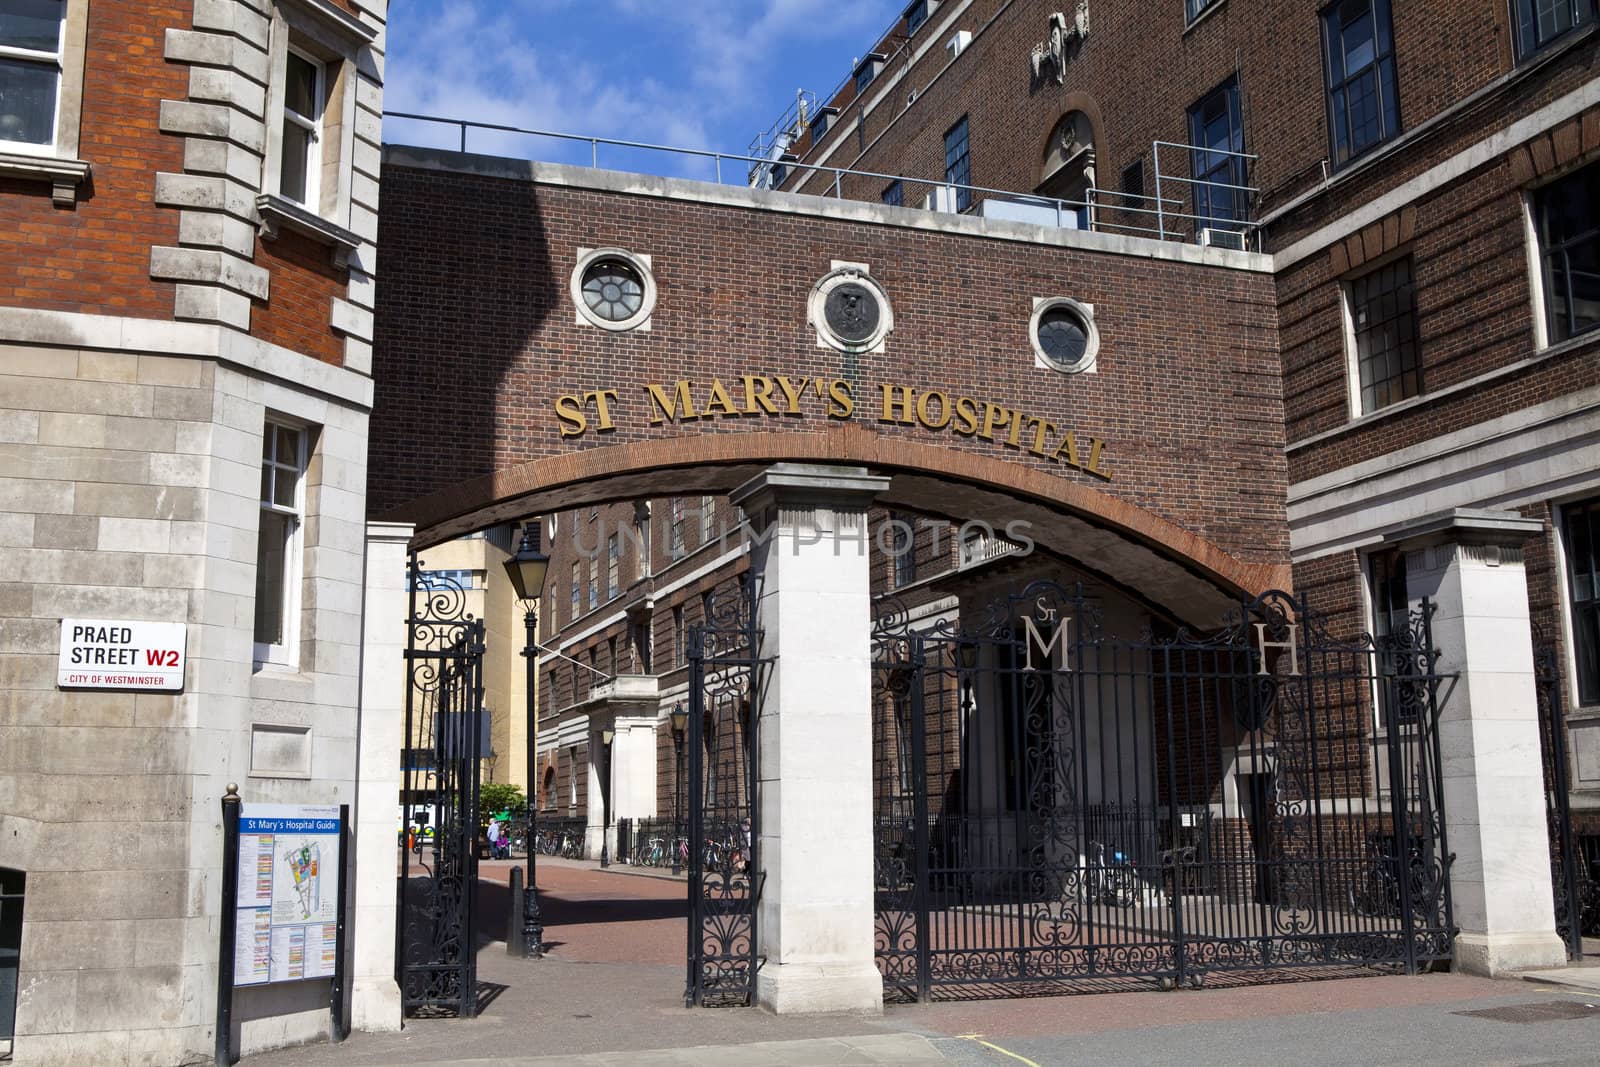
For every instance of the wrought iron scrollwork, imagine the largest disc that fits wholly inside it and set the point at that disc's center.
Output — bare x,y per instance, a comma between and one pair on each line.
1576,894
725,878
436,960
1087,807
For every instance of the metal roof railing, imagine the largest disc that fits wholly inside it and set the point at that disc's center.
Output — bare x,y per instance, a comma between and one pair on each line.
1162,216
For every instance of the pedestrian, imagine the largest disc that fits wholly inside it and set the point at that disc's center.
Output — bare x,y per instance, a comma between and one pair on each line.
494,838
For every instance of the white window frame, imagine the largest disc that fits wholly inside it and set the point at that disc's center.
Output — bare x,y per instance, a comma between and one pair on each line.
1352,348
57,161
1569,650
1535,263
333,39
313,123
1535,255
1352,358
57,59
285,655
613,567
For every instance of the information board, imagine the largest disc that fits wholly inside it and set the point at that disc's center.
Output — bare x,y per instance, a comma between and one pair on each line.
121,654
289,870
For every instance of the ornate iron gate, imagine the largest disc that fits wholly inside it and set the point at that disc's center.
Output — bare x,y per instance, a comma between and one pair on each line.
724,815
437,952
1577,898
1056,805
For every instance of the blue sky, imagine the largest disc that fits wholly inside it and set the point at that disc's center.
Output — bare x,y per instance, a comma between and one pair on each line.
698,75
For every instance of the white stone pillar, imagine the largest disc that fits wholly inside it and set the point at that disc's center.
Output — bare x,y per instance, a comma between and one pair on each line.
375,996
595,827
1470,564
633,754
810,568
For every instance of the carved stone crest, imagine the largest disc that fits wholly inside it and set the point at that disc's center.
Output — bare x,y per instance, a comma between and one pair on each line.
849,310
1050,55
852,311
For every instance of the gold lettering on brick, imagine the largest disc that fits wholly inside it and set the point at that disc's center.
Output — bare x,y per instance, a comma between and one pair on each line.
777,395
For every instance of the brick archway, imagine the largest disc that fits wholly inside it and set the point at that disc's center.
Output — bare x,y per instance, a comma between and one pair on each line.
1128,545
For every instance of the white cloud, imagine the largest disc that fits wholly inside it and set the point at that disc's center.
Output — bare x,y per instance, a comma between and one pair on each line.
640,70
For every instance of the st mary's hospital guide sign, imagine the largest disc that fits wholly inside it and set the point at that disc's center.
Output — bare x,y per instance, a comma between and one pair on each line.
289,869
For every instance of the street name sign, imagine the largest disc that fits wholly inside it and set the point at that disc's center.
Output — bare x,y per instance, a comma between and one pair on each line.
121,654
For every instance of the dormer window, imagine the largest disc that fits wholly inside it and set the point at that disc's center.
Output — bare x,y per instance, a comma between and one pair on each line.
824,118
868,69
917,14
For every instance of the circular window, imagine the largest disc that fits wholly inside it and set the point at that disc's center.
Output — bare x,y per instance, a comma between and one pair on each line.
613,289
850,311
1064,335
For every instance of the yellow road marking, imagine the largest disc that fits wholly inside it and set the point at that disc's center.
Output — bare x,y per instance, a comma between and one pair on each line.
978,1038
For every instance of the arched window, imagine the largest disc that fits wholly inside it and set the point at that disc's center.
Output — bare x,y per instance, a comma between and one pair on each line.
1067,170
548,789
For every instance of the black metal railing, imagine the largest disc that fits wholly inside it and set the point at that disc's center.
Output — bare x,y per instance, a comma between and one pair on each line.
655,843
565,837
436,958
1575,891
723,813
1083,809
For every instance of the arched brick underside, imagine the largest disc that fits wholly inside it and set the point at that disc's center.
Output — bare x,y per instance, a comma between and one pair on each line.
1151,558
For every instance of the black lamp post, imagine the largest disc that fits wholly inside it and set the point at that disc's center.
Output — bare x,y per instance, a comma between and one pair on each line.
680,723
527,570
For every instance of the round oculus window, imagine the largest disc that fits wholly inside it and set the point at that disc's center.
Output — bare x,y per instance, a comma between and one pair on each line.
1064,335
613,290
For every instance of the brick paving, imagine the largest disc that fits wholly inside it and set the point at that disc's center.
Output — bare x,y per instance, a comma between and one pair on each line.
613,982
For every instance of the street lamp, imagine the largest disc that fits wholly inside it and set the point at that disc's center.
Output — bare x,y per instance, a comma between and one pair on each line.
527,570
680,723
606,737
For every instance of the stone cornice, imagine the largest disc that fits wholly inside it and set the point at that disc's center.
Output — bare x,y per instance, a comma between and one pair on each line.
64,175
33,326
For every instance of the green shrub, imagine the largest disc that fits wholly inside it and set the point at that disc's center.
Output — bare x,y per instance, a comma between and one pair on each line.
500,796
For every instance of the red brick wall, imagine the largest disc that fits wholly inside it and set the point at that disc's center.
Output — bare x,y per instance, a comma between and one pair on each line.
476,341
96,258
299,305
1475,315
1444,49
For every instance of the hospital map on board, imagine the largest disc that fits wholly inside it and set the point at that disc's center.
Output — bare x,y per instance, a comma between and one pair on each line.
289,868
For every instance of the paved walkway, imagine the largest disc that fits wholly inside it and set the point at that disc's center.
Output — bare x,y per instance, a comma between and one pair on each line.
610,994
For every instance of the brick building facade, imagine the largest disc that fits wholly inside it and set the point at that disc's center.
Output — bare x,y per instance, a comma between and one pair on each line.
188,198
1416,380
1313,309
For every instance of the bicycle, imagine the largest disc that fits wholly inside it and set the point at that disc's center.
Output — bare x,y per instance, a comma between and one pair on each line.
1109,883
654,854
